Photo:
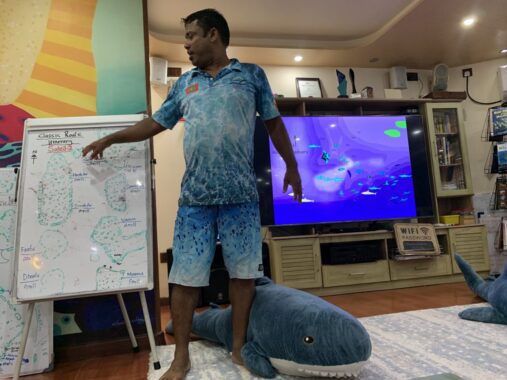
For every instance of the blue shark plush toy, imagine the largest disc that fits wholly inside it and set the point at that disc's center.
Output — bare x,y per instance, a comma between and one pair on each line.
495,292
291,332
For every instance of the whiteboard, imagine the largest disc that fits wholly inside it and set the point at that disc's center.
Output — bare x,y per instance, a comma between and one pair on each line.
38,354
84,226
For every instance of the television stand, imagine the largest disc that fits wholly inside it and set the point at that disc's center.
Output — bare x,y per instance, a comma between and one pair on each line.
300,262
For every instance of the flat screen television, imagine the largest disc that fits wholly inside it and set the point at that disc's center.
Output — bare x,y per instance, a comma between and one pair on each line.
353,169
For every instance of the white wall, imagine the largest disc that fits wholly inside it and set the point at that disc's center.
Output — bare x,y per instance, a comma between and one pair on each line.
168,151
168,145
283,80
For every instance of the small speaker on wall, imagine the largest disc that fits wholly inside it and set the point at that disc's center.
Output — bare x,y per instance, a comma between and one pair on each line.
398,77
158,71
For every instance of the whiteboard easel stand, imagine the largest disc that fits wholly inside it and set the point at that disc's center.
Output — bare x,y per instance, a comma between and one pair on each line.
39,135
149,330
128,325
147,321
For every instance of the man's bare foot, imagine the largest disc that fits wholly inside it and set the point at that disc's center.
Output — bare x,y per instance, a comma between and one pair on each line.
237,359
176,372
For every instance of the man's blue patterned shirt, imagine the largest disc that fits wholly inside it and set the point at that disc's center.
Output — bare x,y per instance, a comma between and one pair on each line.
219,117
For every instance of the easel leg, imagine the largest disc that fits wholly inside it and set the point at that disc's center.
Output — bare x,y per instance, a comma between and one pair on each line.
135,347
24,339
149,330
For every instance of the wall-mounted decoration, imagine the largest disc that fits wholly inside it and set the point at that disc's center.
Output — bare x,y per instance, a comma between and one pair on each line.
308,88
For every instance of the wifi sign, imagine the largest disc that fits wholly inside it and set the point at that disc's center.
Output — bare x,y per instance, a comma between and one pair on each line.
425,230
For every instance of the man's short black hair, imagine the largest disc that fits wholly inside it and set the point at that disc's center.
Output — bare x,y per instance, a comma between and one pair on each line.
210,18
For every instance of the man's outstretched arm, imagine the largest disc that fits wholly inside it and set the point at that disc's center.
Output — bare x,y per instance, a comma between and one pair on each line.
140,131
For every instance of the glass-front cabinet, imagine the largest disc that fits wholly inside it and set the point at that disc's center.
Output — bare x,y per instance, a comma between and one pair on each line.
449,154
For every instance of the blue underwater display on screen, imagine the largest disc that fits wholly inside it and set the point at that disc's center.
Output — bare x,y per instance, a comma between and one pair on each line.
352,169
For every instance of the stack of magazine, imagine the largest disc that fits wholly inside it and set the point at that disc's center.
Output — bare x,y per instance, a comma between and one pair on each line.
498,121
498,132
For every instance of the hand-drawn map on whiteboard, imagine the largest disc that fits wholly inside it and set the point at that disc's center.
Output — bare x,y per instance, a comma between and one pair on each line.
39,350
85,225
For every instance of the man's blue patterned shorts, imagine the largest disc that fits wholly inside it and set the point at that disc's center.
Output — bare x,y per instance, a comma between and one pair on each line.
195,237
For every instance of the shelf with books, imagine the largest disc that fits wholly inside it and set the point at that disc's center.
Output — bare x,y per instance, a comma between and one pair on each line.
447,140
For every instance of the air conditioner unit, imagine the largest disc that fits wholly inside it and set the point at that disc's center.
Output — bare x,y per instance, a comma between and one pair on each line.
158,71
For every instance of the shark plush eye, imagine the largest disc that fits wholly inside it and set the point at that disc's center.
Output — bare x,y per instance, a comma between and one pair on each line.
308,339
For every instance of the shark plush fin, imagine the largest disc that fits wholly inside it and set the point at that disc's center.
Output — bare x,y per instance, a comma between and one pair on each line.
483,314
256,361
474,281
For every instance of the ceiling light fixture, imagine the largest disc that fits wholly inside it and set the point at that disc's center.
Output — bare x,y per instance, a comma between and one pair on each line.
503,51
298,58
468,22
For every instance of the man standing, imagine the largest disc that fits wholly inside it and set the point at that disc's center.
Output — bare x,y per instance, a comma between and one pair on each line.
219,100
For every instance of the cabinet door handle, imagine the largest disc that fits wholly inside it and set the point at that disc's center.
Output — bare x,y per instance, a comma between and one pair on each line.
357,274
420,267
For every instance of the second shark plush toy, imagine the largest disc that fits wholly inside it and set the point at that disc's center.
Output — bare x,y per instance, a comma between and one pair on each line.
494,291
291,332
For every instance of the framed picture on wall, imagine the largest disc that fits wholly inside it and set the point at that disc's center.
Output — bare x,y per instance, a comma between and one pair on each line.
308,88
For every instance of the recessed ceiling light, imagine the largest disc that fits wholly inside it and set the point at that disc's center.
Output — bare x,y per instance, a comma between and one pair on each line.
468,22
503,51
298,58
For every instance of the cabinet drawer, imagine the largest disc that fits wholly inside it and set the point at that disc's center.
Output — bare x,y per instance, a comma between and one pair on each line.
350,274
403,270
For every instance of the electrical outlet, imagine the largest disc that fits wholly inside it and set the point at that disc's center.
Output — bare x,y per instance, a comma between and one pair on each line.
467,72
412,77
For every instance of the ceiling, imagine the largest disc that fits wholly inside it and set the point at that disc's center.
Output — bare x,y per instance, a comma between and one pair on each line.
362,33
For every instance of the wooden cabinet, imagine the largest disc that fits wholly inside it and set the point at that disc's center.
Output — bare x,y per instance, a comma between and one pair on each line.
471,243
448,146
352,107
298,261
448,153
